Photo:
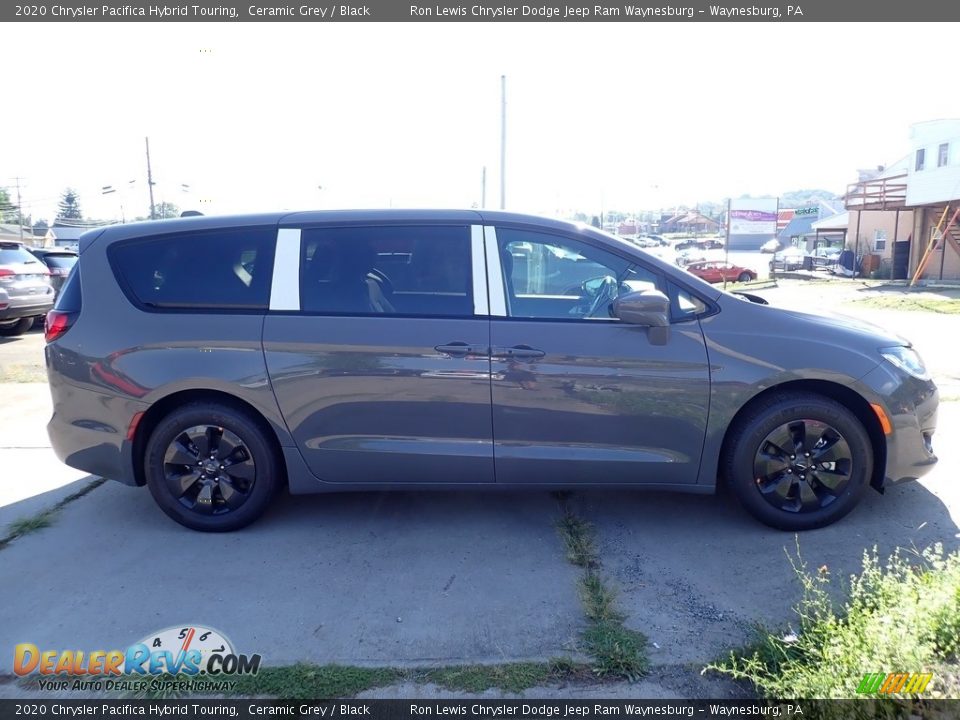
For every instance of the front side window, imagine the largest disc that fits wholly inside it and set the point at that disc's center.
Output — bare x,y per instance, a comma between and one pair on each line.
387,270
228,269
559,278
943,153
921,157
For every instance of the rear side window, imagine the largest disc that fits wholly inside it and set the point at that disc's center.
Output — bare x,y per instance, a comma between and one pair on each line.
60,261
387,270
205,270
11,254
69,299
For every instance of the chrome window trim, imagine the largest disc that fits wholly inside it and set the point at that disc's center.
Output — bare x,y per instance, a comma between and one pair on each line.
478,264
497,292
285,285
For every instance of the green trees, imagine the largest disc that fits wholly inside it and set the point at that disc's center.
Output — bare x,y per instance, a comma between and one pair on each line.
69,206
9,212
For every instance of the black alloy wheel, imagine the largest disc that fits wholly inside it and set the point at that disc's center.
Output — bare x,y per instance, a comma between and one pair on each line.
802,466
209,469
797,460
212,466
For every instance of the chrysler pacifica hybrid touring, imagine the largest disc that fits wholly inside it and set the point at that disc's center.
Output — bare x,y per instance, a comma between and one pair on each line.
217,360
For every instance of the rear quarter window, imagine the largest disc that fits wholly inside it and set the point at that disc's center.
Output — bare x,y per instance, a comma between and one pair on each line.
70,299
202,270
60,261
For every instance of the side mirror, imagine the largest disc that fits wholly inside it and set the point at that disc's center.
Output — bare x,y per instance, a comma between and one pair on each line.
649,308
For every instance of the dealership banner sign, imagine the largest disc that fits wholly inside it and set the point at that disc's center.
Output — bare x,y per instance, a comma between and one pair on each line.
753,216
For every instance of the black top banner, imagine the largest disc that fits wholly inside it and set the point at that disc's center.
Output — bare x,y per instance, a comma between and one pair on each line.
488,11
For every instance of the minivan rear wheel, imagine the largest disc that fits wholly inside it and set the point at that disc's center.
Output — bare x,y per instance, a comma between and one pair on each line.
211,467
798,461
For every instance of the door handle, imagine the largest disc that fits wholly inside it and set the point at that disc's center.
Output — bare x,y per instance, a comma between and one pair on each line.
460,349
518,352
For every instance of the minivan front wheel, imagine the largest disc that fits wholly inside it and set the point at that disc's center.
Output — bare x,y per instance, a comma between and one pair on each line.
798,461
210,467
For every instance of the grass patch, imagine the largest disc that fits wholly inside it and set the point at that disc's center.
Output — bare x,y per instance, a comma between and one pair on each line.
615,650
305,681
898,616
25,526
577,536
618,651
598,600
909,302
511,677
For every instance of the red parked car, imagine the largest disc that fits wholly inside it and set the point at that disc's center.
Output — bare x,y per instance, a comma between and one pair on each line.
714,272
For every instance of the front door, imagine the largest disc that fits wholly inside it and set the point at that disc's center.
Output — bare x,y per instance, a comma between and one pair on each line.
380,365
578,396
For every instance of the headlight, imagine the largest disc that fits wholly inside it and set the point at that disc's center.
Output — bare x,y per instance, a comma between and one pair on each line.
907,359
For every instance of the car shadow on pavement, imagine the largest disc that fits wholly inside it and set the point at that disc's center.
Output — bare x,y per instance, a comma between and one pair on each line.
50,495
697,574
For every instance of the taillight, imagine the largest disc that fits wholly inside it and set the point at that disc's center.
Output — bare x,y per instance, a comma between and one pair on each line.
6,273
56,324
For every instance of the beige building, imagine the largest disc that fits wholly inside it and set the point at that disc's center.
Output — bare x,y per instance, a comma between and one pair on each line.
909,214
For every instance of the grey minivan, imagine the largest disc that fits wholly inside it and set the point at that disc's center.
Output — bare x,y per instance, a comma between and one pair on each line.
219,359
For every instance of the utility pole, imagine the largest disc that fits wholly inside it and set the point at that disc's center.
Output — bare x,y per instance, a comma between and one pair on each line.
483,188
19,209
503,142
153,214
726,245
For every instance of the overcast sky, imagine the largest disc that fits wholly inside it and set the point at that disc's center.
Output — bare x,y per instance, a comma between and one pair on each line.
599,115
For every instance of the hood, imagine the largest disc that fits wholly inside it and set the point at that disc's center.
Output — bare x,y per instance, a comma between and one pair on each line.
839,321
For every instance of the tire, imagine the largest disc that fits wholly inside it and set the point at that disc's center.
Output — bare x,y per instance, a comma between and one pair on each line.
216,499
765,466
744,277
17,327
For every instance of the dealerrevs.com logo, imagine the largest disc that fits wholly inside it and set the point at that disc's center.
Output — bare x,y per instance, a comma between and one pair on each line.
189,651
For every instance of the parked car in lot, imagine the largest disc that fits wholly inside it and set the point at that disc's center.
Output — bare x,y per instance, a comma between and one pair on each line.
215,360
59,262
700,244
649,241
790,258
770,246
825,257
715,272
25,282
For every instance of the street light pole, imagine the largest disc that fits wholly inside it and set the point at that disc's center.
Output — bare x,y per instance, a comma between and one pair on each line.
503,142
153,212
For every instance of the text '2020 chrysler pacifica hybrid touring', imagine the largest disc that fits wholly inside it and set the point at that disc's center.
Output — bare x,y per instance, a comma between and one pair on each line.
216,360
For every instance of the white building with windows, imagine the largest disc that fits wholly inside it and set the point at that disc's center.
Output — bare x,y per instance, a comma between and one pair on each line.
926,187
